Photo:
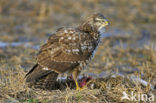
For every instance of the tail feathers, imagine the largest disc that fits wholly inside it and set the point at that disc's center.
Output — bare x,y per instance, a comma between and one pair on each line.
37,73
35,66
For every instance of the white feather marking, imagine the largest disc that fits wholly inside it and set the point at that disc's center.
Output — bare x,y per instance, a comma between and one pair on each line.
71,32
68,51
101,29
62,38
75,50
84,47
69,37
65,31
74,38
98,19
45,68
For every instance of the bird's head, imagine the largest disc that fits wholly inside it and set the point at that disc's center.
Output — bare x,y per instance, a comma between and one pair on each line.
95,22
99,22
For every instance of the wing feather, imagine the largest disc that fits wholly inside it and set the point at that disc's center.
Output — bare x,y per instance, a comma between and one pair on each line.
66,49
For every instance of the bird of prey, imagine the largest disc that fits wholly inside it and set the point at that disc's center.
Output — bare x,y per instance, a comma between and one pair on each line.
68,50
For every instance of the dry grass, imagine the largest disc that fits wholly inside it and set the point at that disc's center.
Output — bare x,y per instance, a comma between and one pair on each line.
107,89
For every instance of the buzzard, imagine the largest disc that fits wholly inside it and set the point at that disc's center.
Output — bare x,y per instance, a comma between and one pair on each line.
68,50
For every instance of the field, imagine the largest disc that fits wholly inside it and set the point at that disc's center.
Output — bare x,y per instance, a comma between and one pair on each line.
124,63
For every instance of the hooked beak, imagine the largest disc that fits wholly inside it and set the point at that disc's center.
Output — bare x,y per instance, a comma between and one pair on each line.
105,23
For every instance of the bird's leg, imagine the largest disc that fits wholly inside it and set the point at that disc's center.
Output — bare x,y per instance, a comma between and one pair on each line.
75,74
77,85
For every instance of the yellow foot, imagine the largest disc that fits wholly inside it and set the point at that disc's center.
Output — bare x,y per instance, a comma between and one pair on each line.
77,86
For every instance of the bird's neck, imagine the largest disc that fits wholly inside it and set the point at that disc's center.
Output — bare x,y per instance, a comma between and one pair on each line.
88,29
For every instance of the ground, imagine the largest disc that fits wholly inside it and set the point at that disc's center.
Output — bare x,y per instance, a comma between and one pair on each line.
124,62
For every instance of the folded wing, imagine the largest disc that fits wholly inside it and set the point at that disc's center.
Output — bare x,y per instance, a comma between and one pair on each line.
65,50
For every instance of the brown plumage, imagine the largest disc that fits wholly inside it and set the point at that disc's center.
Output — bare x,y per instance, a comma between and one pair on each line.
68,50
